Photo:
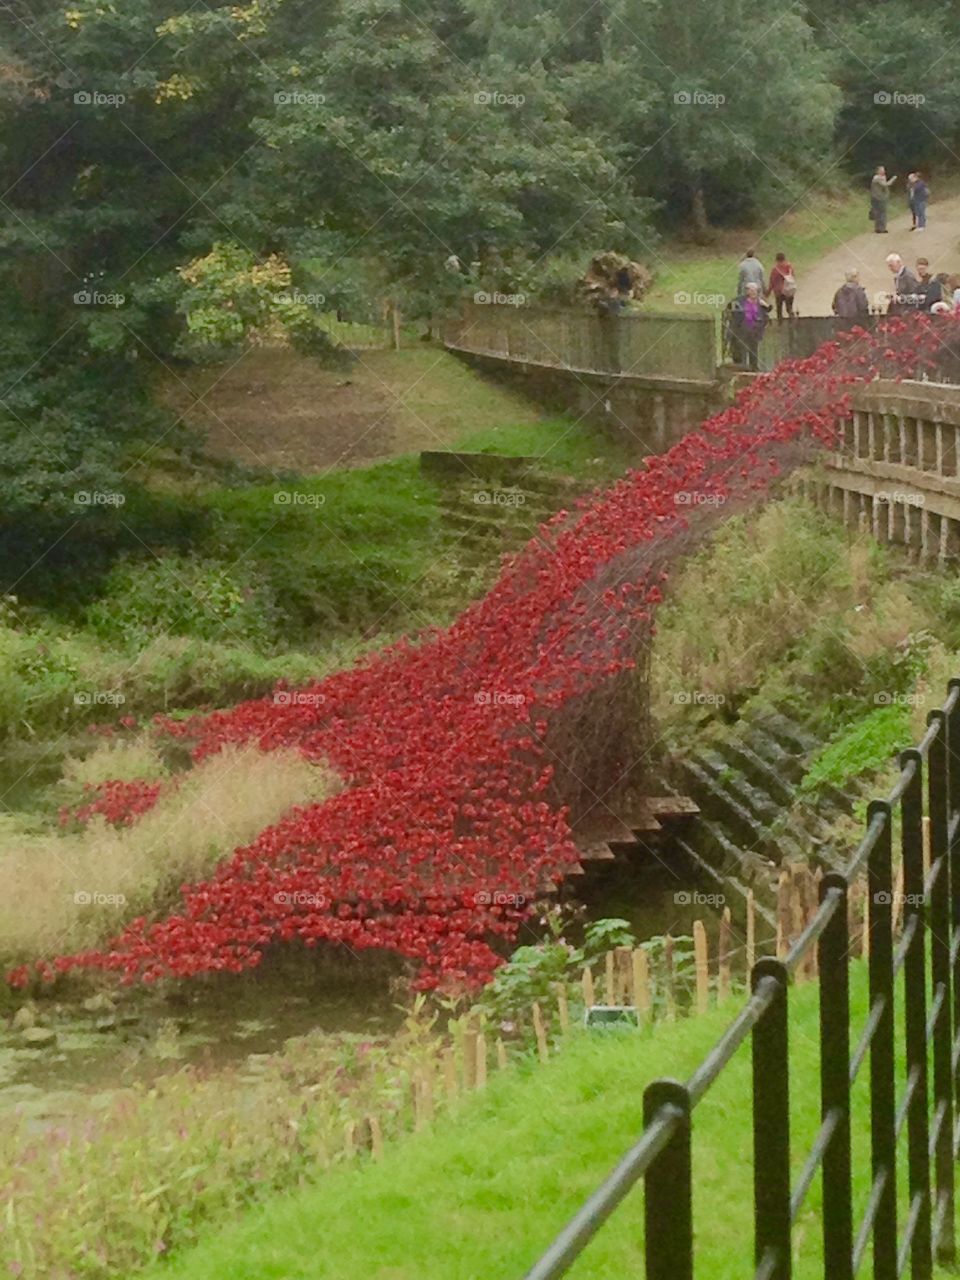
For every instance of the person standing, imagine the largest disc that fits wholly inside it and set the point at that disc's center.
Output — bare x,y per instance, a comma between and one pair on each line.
911,183
921,196
880,186
929,288
783,285
751,321
906,287
850,302
750,272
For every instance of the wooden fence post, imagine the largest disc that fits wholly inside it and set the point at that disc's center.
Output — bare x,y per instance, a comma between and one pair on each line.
641,982
450,1071
350,1139
469,1058
723,971
668,977
376,1138
623,961
541,1033
783,913
751,953
701,961
481,1067
563,1009
609,985
501,1054
589,996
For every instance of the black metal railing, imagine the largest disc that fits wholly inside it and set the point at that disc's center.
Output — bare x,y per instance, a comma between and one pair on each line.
906,1099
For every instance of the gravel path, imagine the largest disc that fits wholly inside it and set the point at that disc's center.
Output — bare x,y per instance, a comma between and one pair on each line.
940,242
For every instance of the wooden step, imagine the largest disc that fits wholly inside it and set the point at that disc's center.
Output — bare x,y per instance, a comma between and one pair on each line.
596,851
672,806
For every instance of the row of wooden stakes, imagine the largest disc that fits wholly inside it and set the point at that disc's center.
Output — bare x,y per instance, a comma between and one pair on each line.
629,980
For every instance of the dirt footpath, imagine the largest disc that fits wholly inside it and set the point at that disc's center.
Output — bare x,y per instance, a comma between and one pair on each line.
940,242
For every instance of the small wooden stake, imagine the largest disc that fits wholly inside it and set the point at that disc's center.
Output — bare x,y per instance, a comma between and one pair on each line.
426,1094
589,996
450,1071
723,972
898,898
623,961
797,921
702,966
501,1054
376,1138
481,1072
668,975
350,1139
813,959
783,913
541,1033
563,1009
469,1058
641,982
751,934
396,328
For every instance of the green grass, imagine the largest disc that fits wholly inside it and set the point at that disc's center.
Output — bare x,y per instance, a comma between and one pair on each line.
561,446
481,1194
864,747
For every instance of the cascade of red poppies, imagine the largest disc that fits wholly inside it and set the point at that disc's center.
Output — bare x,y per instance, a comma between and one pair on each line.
448,827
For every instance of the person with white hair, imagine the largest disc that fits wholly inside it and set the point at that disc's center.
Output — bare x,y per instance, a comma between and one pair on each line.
906,287
850,302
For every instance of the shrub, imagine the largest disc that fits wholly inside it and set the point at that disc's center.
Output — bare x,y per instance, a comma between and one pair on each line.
184,596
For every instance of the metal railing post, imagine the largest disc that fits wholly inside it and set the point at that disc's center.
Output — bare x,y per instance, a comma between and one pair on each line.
953,805
668,1194
834,965
883,1105
771,1126
939,917
915,1015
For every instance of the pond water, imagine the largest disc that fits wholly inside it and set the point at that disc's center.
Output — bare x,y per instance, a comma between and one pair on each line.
101,1046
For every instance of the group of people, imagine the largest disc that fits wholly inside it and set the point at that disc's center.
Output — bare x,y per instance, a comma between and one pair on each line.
918,197
922,290
748,313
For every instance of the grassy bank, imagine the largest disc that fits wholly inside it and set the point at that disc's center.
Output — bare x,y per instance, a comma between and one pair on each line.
483,1195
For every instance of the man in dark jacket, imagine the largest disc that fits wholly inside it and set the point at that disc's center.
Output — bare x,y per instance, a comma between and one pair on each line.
906,287
880,186
850,302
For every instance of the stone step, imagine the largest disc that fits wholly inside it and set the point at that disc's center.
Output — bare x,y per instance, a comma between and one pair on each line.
754,799
758,772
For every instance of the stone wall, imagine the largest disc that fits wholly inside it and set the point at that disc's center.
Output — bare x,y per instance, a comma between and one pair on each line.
650,413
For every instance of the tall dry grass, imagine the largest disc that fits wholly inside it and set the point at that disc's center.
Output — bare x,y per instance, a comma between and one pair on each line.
66,891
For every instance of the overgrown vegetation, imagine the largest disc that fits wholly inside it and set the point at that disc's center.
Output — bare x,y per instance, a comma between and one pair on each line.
77,888
787,606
